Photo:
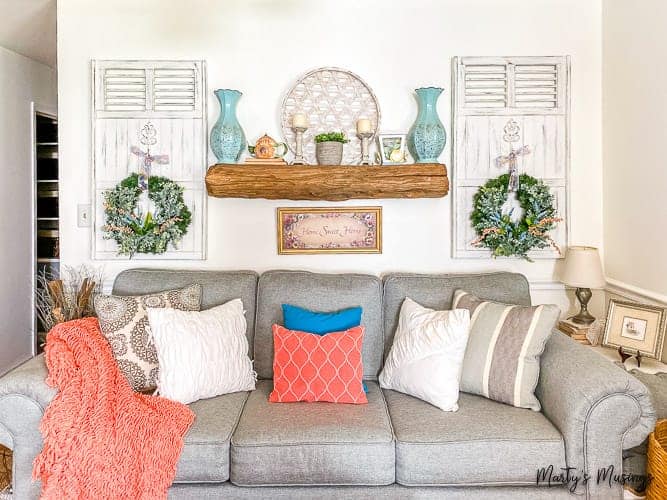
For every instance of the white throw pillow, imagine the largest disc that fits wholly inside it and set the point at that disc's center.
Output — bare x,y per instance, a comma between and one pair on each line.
426,358
202,354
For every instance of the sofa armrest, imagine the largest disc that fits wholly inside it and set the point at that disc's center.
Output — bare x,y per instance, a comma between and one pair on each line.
598,407
23,397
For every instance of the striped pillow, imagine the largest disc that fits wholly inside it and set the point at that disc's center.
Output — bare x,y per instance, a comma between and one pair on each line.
502,360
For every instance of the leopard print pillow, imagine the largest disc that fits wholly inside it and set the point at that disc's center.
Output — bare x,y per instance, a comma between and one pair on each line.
124,322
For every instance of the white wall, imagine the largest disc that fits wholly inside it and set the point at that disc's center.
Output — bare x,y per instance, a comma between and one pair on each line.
635,129
261,47
22,81
634,117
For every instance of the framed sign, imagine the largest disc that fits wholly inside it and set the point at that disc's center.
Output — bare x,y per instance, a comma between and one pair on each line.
329,230
635,327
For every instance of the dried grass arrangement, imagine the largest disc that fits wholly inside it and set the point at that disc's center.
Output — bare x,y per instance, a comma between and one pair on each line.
66,298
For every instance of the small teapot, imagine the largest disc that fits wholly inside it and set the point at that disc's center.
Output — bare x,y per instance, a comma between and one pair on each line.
266,147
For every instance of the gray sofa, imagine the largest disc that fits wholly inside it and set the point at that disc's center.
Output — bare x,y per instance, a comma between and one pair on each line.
396,446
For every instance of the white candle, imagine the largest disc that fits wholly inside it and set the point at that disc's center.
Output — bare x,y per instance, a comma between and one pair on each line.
364,126
299,120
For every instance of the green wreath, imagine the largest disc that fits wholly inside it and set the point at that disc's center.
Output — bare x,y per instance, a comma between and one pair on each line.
497,232
150,233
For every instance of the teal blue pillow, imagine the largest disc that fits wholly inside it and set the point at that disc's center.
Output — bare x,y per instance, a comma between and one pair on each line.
321,323
303,320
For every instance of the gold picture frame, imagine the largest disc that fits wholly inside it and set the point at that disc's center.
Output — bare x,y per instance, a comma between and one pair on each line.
329,230
635,327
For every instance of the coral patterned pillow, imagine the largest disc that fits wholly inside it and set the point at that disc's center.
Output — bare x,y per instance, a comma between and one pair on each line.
310,367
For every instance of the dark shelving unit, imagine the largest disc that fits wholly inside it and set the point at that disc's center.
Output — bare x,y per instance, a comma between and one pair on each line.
47,206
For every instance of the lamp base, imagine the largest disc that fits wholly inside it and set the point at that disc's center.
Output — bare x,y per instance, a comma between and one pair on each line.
583,317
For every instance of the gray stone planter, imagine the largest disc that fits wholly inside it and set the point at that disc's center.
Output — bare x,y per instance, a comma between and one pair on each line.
329,153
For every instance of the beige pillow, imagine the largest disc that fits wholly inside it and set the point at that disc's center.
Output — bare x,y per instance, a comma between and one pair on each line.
502,359
124,322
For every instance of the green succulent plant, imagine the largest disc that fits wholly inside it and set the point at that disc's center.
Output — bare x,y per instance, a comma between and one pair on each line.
332,137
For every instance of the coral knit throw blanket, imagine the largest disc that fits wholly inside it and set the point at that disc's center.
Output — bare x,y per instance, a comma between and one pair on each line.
102,440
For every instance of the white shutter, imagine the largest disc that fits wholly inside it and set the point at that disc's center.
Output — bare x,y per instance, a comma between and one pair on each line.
172,96
149,89
488,92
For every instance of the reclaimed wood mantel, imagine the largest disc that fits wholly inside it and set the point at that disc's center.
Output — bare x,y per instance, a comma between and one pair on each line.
331,183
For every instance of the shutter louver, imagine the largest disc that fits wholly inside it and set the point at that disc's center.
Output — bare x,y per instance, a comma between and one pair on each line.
124,89
486,86
174,89
536,86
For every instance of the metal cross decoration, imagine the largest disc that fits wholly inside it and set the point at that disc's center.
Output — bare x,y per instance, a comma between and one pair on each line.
148,138
510,135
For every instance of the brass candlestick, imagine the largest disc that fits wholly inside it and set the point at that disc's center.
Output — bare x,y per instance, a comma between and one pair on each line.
298,155
365,156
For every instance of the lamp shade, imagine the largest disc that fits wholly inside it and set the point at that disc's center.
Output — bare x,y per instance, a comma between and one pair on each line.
583,268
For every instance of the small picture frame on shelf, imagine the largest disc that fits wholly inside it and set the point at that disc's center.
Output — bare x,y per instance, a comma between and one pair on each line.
635,327
392,149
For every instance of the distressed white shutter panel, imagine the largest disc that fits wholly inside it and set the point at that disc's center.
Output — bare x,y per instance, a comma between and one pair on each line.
172,96
488,92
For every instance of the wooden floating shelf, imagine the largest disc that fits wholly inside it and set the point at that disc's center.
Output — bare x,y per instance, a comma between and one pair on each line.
331,183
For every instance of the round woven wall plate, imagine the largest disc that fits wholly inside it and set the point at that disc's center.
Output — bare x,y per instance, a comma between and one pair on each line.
333,99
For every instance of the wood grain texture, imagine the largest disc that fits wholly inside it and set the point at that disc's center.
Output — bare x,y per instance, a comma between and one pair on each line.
331,183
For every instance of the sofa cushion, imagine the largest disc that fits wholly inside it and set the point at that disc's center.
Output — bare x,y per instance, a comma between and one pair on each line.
502,360
218,287
205,455
436,291
124,322
311,367
318,292
202,354
312,443
485,442
318,322
426,358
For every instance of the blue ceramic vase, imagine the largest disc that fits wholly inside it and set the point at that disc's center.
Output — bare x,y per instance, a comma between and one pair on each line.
427,137
227,137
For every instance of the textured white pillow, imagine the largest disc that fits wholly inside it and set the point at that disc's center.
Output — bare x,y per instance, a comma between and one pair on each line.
202,354
426,358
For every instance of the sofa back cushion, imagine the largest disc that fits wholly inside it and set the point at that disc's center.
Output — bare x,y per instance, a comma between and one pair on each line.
218,287
318,292
436,291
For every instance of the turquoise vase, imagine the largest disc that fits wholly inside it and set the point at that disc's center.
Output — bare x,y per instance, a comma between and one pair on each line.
227,137
427,137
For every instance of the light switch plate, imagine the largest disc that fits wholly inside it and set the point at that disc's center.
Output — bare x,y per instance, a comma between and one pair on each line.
83,215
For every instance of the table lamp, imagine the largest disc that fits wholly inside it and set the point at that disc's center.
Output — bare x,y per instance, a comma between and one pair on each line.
583,271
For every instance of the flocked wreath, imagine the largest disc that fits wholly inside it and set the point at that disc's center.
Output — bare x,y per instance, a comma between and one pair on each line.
136,232
499,232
